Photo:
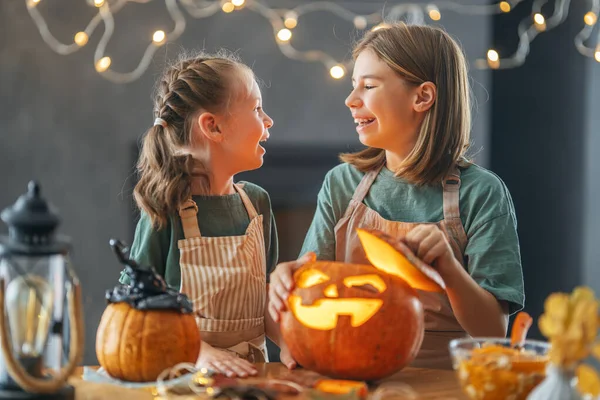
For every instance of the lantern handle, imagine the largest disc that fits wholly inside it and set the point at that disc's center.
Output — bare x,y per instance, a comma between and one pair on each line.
14,368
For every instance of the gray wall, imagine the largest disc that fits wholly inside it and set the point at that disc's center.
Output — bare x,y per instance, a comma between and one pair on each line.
591,258
67,127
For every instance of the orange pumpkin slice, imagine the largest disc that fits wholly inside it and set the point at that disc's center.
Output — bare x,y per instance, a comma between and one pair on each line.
337,386
520,328
394,257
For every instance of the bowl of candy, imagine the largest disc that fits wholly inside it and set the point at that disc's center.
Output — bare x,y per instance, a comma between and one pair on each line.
500,368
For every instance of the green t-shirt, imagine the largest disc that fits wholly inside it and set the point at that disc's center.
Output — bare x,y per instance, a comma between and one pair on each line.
217,216
486,211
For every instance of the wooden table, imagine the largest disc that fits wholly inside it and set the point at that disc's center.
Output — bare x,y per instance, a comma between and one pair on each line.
423,383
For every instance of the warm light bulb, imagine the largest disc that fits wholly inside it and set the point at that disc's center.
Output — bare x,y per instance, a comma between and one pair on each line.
360,22
492,55
159,37
590,18
337,72
493,59
284,35
539,19
434,13
228,7
81,38
103,64
597,55
505,6
238,3
29,301
291,20
32,3
98,3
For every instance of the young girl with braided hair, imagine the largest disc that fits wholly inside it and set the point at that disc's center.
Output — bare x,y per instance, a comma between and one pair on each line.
211,238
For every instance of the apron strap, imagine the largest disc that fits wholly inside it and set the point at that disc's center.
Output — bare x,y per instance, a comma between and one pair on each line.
188,212
246,200
362,189
451,186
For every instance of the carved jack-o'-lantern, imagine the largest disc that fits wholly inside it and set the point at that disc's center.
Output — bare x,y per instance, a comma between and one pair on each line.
355,321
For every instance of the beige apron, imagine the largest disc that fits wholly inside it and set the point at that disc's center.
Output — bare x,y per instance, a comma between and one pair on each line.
225,279
440,324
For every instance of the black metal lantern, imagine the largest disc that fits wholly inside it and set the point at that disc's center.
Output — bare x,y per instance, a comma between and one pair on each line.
35,283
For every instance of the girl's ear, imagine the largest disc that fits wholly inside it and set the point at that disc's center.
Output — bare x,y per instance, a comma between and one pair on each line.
208,127
426,93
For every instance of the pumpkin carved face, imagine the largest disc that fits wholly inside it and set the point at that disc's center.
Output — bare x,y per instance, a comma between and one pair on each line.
363,322
355,296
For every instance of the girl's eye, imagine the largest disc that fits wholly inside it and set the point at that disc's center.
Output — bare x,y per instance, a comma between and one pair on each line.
258,108
369,87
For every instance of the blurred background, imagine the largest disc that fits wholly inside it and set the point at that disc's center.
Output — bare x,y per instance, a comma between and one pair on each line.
537,125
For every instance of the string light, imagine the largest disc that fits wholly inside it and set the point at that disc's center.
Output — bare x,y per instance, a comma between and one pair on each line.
590,18
504,6
360,22
539,19
81,39
284,35
540,22
228,7
103,64
159,37
284,20
493,59
434,13
337,72
291,20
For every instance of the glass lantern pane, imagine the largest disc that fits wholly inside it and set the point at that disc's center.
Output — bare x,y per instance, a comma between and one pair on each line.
33,286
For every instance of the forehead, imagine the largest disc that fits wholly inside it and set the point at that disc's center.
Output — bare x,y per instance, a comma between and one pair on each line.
245,86
368,63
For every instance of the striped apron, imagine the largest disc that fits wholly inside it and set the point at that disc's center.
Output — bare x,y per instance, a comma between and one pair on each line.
225,279
441,325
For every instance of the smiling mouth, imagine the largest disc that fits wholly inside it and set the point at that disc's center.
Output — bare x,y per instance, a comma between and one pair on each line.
324,313
363,121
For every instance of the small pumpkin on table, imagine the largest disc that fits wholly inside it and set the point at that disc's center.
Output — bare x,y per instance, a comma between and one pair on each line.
147,327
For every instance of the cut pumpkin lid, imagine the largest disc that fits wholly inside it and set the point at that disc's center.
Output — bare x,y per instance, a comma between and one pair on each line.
391,255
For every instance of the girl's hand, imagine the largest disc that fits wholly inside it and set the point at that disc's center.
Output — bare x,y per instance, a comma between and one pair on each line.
224,362
286,357
281,283
429,243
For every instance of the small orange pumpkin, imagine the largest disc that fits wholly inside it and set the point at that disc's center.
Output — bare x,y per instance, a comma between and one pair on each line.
137,345
361,322
147,327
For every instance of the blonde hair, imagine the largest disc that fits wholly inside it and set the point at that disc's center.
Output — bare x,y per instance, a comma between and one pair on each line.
191,85
421,54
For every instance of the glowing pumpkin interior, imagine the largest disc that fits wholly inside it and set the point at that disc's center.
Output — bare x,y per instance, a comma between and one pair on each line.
323,313
392,256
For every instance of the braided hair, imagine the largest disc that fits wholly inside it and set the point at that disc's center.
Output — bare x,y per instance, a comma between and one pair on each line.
188,87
